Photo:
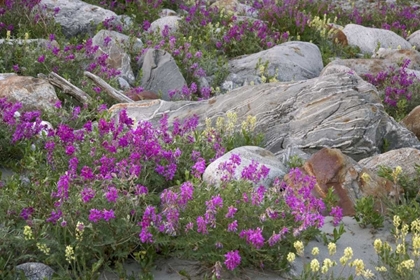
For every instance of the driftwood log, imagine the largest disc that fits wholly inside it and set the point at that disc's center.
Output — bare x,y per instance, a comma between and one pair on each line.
112,92
68,88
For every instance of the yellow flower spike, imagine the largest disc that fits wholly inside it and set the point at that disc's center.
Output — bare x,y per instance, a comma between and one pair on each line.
69,254
407,264
415,226
377,245
332,248
43,248
396,221
220,123
400,249
327,265
27,232
348,252
368,274
359,266
299,247
26,36
291,257
315,251
381,268
315,265
8,34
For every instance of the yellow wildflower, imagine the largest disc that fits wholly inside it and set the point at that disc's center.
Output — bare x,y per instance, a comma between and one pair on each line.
43,248
291,257
368,274
359,266
327,265
381,268
315,265
407,264
332,248
315,251
299,247
70,254
377,244
396,221
365,177
27,232
400,249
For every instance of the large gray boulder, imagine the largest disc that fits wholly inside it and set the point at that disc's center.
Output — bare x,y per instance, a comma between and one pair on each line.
414,39
290,61
170,21
77,17
338,111
114,44
368,39
160,73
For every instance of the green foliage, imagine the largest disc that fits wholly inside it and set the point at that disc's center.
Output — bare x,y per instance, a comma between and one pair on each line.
295,161
366,214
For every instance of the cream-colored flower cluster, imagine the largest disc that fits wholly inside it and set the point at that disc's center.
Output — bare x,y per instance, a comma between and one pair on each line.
316,266
404,256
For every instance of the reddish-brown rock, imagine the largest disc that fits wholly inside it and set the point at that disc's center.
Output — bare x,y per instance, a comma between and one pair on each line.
412,121
333,169
144,95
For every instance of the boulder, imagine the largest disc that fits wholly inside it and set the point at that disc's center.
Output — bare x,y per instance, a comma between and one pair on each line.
248,154
159,25
33,93
368,39
36,271
407,158
333,169
160,73
114,44
77,17
338,111
290,61
362,66
414,39
398,56
412,121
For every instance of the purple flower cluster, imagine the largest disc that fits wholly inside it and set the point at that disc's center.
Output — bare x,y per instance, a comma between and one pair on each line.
232,259
304,206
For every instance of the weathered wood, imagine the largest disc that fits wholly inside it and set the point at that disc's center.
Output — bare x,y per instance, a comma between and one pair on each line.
68,88
112,92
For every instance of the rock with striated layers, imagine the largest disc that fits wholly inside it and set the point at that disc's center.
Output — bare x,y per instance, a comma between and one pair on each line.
363,66
333,169
414,39
338,111
33,93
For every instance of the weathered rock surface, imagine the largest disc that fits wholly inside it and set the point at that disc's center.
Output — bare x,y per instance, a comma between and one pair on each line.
160,73
367,39
398,56
363,66
170,21
290,61
405,157
77,17
112,44
412,121
338,111
247,154
33,93
36,271
333,169
414,39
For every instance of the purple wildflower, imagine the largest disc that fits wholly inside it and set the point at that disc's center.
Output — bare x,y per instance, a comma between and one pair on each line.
232,259
95,215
